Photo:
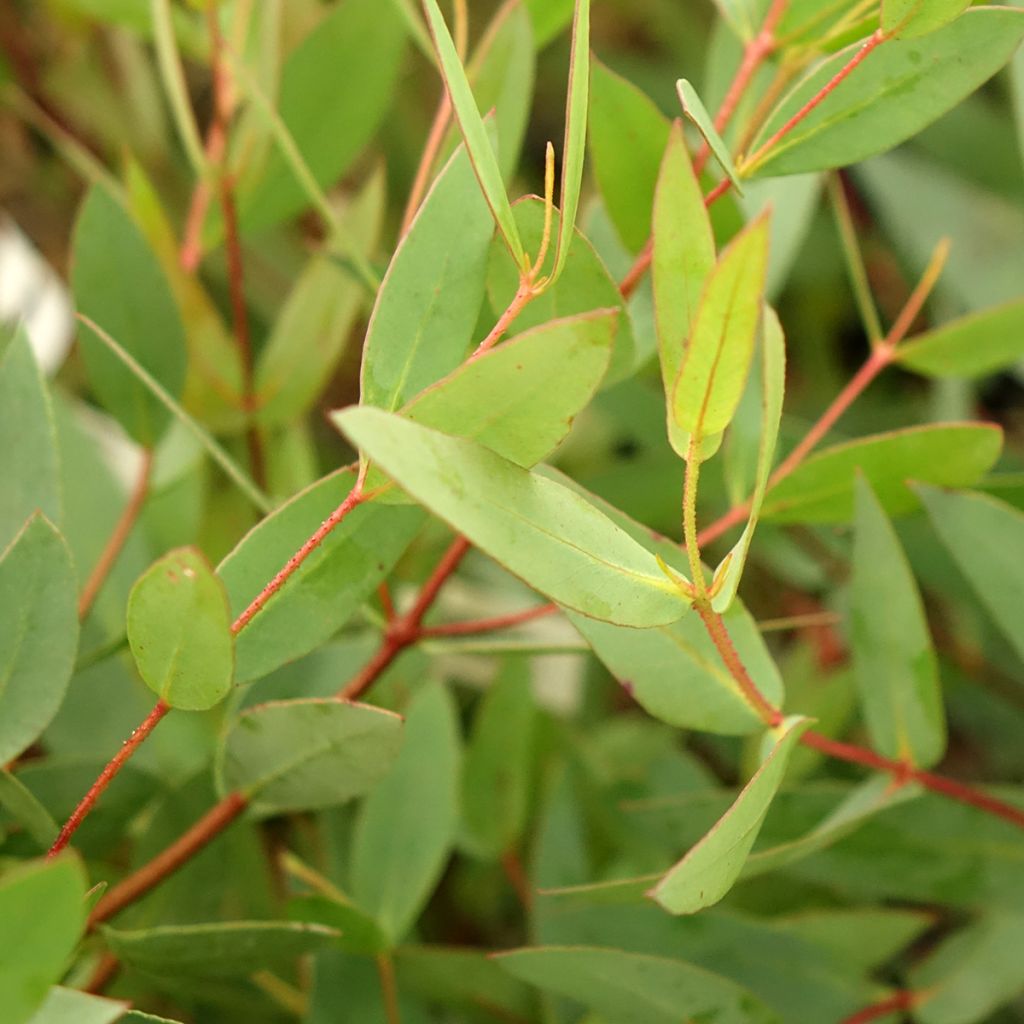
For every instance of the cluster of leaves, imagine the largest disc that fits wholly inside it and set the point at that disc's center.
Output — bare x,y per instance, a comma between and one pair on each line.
621,793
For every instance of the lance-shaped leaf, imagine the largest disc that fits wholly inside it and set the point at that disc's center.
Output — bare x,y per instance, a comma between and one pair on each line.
39,639
900,88
682,259
711,867
28,438
481,153
300,755
694,109
821,489
549,536
905,19
574,148
773,386
429,302
179,630
972,346
69,1006
631,988
986,539
721,344
894,661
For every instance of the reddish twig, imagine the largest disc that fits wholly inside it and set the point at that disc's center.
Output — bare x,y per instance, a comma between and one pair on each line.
103,974
488,625
895,1003
119,536
522,298
430,150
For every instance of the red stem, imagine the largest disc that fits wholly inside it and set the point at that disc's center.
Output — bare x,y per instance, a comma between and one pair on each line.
520,300
899,1001
488,625
430,151
128,748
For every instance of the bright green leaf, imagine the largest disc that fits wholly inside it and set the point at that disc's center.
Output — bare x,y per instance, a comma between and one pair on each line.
905,19
549,17
711,867
543,532
179,630
695,110
20,803
69,1006
307,754
821,490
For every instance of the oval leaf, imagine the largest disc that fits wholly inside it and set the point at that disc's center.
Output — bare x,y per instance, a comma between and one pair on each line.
905,19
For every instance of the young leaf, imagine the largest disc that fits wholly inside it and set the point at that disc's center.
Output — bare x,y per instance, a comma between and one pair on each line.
406,827
39,639
711,867
485,163
773,385
28,438
538,529
119,284
721,344
23,807
574,148
179,630
429,302
893,658
972,346
905,19
821,490
69,1006
34,958
630,988
695,110
301,755
986,539
899,89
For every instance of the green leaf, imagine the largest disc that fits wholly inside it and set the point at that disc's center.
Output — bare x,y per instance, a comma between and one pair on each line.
20,803
39,639
549,17
699,692
721,344
905,19
302,755
406,827
695,110
630,988
901,88
773,386
221,950
179,630
367,39
821,489
428,304
986,539
359,932
324,593
972,973
119,284
711,867
499,757
69,1006
972,346
574,147
894,661
28,438
543,532
42,915
481,153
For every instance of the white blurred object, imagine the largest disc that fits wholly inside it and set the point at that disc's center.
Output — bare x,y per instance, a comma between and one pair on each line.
32,292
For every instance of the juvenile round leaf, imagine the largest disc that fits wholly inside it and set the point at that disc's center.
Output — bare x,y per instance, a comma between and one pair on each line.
306,754
179,630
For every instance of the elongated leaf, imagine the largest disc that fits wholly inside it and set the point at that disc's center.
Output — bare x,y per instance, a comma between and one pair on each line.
541,531
721,344
899,89
28,438
972,346
367,39
39,639
773,385
306,754
118,283
52,894
359,933
986,539
695,110
69,1006
629,988
330,585
179,630
406,827
20,803
577,103
216,950
895,665
906,19
428,304
481,153
711,867
821,490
